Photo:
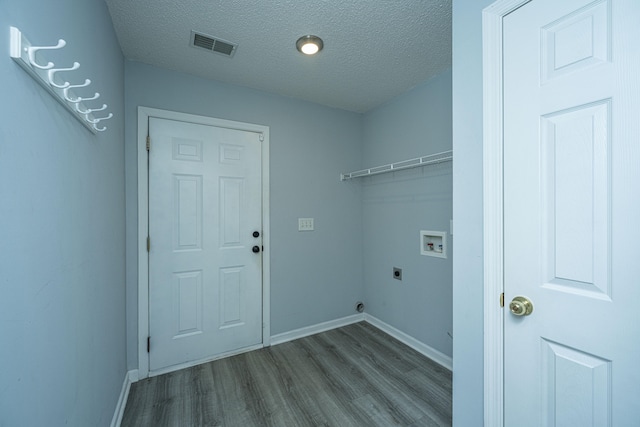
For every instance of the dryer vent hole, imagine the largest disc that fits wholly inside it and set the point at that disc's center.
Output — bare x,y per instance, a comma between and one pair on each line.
360,307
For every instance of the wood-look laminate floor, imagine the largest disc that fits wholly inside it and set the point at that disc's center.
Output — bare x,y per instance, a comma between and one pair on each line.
352,376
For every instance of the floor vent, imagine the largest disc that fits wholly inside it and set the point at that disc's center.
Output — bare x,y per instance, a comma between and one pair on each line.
213,44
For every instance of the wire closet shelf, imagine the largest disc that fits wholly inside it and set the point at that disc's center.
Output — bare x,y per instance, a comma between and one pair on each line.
432,159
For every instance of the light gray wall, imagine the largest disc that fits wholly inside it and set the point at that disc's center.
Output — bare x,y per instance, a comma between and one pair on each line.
62,288
315,276
467,213
396,206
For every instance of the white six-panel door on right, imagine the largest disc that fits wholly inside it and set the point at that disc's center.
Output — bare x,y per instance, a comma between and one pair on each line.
572,203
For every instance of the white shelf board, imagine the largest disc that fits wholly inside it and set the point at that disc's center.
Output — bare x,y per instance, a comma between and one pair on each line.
445,156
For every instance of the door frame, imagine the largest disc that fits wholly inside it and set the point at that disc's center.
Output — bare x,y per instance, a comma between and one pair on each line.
144,113
493,193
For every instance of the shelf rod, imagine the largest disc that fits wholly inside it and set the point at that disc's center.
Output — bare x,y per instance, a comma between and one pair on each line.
445,156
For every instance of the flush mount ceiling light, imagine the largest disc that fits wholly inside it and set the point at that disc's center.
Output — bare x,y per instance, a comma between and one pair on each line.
309,45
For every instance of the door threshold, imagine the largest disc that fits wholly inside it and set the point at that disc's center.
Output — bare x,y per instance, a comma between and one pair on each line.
193,363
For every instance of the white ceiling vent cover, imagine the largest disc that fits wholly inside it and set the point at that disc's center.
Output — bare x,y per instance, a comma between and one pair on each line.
212,44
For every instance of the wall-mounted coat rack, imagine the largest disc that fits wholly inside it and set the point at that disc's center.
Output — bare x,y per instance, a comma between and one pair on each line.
29,57
445,156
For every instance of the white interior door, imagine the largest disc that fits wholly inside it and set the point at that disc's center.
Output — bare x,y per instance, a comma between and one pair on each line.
571,206
205,280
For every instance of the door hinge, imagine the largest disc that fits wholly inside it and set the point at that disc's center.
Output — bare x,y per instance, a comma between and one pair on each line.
148,244
502,299
148,344
148,142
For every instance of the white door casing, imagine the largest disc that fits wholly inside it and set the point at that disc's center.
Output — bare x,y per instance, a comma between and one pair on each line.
205,250
571,168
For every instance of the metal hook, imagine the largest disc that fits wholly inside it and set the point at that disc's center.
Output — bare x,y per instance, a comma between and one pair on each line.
93,98
91,110
94,121
88,110
32,50
65,92
79,110
52,72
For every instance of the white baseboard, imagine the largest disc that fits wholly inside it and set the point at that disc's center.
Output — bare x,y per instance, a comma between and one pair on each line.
315,329
131,376
419,346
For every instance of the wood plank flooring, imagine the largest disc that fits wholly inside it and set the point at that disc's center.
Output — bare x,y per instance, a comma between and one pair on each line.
352,376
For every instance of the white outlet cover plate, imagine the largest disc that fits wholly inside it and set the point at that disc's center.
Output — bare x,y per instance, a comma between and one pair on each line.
305,224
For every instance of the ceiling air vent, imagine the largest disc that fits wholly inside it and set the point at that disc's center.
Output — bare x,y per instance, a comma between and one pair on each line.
213,44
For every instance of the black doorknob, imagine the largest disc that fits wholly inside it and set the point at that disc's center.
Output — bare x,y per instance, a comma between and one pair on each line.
256,234
256,249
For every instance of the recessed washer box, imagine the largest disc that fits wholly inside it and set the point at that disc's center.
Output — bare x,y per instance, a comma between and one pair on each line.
433,243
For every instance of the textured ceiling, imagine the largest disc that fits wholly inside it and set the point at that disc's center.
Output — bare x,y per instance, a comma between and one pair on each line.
373,51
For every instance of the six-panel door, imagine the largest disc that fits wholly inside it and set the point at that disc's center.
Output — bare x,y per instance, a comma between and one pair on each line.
572,202
205,281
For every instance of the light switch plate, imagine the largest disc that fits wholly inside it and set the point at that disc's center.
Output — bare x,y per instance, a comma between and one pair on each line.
305,224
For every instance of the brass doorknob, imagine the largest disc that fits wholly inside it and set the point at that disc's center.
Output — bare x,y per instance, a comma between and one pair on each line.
521,306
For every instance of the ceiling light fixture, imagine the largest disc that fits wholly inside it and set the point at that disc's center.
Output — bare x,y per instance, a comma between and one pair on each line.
309,45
